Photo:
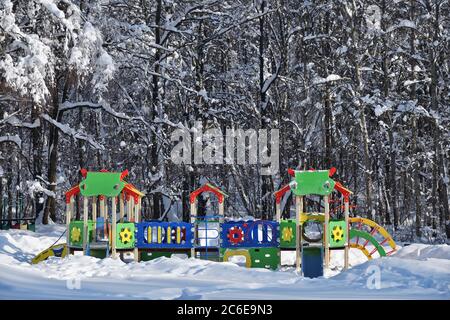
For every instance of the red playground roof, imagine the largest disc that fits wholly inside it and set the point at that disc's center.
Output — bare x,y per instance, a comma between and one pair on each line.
207,188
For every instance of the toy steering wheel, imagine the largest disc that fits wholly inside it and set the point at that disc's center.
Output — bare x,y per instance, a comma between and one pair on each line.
235,235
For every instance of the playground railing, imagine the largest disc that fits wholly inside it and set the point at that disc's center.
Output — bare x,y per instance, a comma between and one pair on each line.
252,233
164,235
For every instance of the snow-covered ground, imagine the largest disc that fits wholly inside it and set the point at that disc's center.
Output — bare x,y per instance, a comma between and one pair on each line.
414,272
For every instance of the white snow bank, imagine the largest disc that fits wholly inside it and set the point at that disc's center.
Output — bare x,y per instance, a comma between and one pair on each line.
415,272
424,252
20,246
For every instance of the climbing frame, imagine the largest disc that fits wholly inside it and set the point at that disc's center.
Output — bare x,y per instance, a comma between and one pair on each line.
103,193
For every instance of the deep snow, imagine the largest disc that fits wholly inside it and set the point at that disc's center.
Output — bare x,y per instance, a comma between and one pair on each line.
415,272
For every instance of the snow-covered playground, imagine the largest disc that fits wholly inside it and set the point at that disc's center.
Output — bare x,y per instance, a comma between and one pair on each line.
416,271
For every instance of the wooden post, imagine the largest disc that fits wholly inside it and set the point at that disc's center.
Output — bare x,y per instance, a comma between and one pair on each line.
122,209
137,214
72,206
130,212
113,227
278,212
132,206
325,231
298,240
192,218
68,217
221,209
85,224
346,215
94,209
278,220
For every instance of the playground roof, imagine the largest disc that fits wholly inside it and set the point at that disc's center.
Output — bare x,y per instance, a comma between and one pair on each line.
280,193
207,187
345,192
337,186
130,191
104,184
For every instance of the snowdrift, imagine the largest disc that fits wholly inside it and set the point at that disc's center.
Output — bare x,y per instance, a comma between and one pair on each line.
415,272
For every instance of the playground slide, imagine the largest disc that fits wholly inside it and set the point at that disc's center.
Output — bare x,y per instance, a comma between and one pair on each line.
58,250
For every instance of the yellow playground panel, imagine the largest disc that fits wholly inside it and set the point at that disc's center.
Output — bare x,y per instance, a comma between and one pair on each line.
231,253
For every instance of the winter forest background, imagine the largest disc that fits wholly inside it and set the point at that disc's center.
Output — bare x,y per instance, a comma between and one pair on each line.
360,85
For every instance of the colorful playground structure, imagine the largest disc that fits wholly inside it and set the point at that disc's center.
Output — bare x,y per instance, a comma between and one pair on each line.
111,226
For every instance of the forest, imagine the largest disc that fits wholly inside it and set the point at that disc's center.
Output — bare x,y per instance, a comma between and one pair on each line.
360,85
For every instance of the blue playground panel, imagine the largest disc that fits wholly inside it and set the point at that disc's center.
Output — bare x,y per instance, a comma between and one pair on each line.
312,262
164,235
250,234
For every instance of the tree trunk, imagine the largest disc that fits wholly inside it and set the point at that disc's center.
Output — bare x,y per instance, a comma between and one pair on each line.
392,178
50,204
9,181
416,181
443,188
362,122
407,196
328,118
154,165
36,141
267,183
1,198
414,145
185,196
81,165
393,196
367,162
439,190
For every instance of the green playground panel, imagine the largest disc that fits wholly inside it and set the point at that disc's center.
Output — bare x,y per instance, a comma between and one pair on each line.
268,258
31,227
78,242
123,241
313,182
215,256
147,256
288,232
339,238
98,253
150,255
362,234
102,183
